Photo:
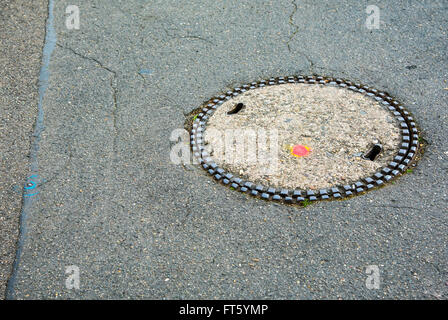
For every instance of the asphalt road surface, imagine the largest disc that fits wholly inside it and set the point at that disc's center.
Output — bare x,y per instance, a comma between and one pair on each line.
22,34
112,205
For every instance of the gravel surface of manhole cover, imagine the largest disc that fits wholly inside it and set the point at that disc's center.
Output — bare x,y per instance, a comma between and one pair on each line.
298,138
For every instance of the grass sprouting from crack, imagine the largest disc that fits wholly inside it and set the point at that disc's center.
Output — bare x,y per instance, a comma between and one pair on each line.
306,203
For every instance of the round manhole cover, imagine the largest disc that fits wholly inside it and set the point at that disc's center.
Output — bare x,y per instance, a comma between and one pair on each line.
299,139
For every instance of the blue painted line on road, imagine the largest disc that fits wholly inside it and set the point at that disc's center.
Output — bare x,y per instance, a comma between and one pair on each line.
32,185
27,200
31,194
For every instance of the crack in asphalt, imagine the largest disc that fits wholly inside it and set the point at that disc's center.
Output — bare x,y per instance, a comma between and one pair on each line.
178,36
395,207
88,58
161,23
293,34
113,85
291,23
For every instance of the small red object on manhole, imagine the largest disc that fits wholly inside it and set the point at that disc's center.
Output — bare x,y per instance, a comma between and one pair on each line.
300,150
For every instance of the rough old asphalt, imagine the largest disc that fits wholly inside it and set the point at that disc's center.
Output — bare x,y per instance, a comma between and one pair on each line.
22,34
138,226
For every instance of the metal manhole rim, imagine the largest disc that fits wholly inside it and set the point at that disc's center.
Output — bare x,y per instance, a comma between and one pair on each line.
406,156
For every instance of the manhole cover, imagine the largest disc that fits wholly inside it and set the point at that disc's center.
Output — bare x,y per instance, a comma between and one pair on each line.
299,138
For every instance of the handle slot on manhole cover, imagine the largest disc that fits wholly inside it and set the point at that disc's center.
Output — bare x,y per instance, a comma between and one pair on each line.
373,153
236,109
